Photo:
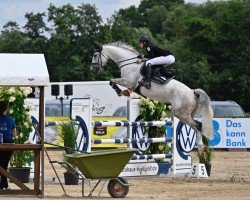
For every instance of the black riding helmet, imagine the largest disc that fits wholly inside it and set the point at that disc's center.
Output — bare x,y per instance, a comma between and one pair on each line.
144,38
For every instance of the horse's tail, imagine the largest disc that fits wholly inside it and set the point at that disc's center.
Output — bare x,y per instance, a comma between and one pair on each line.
204,110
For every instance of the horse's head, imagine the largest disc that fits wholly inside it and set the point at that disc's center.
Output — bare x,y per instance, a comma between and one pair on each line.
99,60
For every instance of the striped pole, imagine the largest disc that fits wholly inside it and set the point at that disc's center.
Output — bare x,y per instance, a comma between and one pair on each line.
128,123
151,156
127,140
58,123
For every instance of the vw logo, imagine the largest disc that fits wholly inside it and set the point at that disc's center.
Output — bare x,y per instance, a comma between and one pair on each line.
140,133
185,139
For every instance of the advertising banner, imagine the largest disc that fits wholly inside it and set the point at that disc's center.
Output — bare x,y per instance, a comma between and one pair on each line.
231,133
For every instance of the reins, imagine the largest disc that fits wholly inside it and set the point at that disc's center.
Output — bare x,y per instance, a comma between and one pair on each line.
126,60
126,63
105,56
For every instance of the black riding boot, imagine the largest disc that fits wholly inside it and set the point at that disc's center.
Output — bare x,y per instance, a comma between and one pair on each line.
147,79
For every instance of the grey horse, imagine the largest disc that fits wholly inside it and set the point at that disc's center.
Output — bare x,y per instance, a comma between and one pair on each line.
185,103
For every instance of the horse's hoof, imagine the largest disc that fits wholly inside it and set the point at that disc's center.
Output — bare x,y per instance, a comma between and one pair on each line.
126,93
111,83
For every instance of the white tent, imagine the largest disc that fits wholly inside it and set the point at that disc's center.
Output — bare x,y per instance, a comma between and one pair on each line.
28,70
23,70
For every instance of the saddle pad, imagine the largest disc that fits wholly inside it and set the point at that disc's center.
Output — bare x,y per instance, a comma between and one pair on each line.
157,77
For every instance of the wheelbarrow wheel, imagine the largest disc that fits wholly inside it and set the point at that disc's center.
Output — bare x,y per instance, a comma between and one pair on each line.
117,189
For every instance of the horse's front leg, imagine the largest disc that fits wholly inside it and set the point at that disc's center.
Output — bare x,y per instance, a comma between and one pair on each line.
121,81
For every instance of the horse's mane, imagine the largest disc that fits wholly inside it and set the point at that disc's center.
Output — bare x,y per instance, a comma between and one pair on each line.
123,45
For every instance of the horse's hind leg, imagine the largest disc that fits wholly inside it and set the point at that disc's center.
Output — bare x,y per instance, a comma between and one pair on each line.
198,125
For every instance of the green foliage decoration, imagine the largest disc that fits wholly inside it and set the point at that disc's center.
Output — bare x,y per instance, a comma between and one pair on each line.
205,154
67,134
19,111
154,111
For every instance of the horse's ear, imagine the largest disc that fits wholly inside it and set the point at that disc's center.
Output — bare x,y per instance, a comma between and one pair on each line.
100,47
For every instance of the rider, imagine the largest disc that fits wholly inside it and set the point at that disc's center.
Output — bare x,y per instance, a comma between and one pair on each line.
156,55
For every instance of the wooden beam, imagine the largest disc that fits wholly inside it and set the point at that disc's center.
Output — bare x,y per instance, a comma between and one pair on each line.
37,170
20,147
20,192
13,178
36,148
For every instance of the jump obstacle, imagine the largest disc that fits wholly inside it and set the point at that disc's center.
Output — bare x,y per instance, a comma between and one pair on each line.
129,141
180,159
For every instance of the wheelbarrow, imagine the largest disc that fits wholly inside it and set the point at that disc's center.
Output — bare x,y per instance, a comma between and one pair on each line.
103,166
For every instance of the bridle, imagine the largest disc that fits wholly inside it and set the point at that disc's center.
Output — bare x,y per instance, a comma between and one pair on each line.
99,59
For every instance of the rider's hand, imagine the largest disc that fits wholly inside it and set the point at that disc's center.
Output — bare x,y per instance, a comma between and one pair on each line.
138,61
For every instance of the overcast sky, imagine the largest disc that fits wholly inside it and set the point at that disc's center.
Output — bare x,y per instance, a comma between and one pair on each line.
15,9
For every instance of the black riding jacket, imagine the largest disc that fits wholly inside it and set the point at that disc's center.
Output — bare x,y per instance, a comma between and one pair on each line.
153,51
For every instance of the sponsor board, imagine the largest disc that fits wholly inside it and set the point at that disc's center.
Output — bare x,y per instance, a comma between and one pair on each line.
231,133
184,142
140,169
82,107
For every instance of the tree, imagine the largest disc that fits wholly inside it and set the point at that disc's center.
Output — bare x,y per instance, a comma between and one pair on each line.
132,16
36,29
12,40
89,35
71,43
35,26
11,26
156,16
146,5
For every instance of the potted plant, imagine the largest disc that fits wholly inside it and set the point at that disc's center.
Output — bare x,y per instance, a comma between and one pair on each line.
20,113
153,111
67,135
205,155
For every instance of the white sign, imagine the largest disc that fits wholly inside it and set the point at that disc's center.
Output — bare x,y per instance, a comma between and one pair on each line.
184,142
82,107
231,133
198,170
140,169
105,100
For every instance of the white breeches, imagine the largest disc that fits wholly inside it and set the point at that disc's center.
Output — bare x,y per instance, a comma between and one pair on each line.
163,60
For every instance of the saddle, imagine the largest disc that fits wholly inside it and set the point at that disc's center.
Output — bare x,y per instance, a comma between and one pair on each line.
161,74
